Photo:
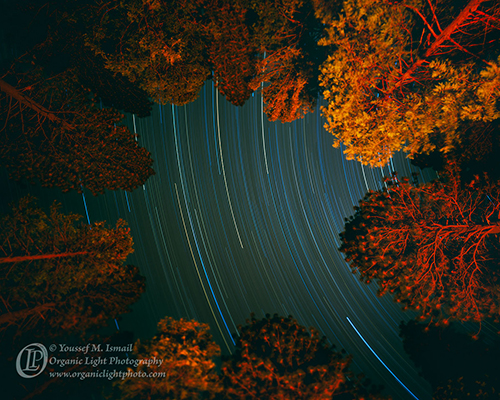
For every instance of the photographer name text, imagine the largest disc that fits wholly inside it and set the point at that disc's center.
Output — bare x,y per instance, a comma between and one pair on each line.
95,348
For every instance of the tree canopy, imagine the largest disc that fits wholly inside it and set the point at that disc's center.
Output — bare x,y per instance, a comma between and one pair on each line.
54,132
158,45
49,32
60,277
286,35
187,350
276,358
434,246
401,72
171,48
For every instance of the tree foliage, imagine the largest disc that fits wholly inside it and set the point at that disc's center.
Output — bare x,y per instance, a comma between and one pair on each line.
231,50
187,350
400,72
156,44
49,33
286,35
171,48
434,246
476,154
114,90
276,358
53,131
59,277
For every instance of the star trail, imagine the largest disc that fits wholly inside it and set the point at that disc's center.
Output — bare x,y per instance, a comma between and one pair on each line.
244,215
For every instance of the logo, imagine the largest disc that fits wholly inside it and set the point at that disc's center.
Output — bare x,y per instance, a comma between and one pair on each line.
32,360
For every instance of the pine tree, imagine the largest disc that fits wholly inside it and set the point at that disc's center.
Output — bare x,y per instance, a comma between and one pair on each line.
286,35
170,48
60,277
231,50
114,90
54,132
435,247
158,45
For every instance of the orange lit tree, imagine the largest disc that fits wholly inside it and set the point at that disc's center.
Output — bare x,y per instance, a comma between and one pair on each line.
435,247
286,35
276,358
59,277
53,131
231,50
266,45
402,71
187,371
169,49
158,45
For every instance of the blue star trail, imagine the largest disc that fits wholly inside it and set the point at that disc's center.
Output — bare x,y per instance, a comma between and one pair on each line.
244,215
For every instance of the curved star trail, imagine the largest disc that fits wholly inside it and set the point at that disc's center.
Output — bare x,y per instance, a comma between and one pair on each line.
244,215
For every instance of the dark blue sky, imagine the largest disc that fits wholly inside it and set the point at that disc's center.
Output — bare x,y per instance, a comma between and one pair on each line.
244,215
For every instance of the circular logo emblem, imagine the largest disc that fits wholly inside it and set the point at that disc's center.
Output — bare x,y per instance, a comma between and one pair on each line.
32,360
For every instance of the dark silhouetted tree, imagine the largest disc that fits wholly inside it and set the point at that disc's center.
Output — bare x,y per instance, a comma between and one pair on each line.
477,152
49,33
276,358
60,277
113,89
435,247
53,131
187,351
456,366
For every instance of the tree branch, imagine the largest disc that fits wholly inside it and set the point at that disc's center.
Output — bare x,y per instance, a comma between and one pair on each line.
38,108
4,260
445,35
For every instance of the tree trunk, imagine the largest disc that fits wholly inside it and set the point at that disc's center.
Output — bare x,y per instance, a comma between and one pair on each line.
470,230
12,317
4,260
38,108
494,229
445,35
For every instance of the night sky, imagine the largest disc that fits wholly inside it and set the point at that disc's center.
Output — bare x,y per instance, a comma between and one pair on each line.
244,215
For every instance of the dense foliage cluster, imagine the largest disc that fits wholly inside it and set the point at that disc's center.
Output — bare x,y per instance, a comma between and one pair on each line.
434,246
187,351
277,358
401,72
231,52
156,44
62,277
55,133
171,48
